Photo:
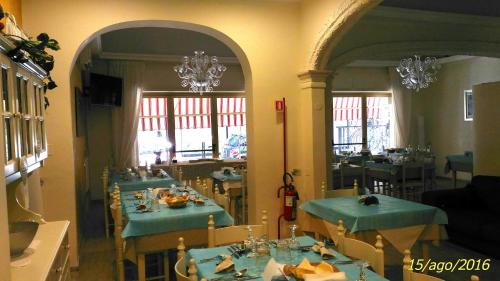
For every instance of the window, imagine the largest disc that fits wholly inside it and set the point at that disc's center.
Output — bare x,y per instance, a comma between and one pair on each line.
232,127
193,133
361,119
152,137
192,127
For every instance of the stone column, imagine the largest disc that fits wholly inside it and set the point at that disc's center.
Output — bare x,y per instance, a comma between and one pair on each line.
314,140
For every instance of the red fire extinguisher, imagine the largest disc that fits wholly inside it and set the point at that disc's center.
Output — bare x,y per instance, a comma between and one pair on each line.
289,200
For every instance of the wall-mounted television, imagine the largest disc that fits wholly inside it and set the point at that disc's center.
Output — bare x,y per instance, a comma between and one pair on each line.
105,90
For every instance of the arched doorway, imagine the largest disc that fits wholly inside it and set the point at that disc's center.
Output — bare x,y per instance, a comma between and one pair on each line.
240,60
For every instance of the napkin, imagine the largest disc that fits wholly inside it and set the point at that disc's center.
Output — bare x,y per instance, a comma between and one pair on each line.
226,264
325,253
336,276
272,270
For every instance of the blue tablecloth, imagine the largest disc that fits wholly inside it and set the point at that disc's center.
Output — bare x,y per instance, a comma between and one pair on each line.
255,268
168,219
462,163
390,213
135,183
389,167
220,176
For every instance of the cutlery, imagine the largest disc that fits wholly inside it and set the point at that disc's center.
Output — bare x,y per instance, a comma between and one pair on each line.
209,259
233,252
342,262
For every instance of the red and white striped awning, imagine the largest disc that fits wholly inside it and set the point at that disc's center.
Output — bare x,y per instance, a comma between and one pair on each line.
153,114
191,113
349,108
231,112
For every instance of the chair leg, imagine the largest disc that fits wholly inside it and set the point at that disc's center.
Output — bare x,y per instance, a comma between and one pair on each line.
166,271
141,267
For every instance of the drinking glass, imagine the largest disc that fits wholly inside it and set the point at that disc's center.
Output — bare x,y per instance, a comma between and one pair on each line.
293,244
362,265
252,241
282,251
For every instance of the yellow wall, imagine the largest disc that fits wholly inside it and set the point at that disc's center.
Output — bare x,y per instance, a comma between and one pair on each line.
486,129
268,38
13,7
442,107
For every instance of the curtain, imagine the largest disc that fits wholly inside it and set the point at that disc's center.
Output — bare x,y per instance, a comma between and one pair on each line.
125,118
401,97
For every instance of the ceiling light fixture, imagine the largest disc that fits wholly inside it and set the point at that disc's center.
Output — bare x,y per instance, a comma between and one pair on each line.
418,74
200,72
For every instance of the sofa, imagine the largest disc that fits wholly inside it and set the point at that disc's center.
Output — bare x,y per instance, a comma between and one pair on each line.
473,214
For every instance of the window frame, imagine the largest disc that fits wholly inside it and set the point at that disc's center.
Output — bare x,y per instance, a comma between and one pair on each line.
364,118
214,122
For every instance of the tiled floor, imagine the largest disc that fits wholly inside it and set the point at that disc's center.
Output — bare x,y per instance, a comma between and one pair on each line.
97,254
96,260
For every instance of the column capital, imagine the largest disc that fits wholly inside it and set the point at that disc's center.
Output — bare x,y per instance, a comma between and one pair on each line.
315,75
314,79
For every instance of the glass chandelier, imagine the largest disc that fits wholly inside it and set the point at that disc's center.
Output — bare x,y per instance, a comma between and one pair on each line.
200,72
418,74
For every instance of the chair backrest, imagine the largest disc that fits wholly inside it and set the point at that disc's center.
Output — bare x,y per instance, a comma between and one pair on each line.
236,233
344,192
180,270
409,275
374,255
116,209
221,199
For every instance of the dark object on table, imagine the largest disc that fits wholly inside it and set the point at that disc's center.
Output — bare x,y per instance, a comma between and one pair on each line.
371,200
21,234
473,213
368,200
227,172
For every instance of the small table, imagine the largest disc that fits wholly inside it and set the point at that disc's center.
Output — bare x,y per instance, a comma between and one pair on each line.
230,183
344,175
256,267
459,163
400,222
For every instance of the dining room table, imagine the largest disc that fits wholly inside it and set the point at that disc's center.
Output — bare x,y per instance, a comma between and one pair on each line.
459,163
129,182
391,173
401,223
255,266
158,228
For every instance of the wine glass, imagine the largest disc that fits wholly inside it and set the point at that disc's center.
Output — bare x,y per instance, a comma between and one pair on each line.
293,243
362,265
253,244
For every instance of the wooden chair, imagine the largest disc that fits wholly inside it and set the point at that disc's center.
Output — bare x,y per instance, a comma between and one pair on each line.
222,200
235,233
116,210
105,193
409,275
180,265
344,192
362,250
412,179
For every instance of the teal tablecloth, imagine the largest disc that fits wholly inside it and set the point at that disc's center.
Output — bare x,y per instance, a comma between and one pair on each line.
220,176
389,167
135,183
255,268
390,213
462,163
167,219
